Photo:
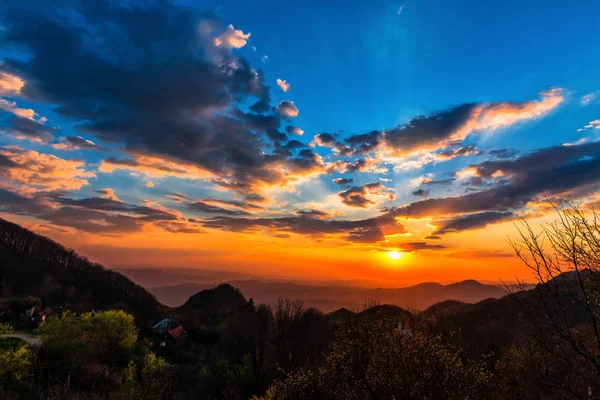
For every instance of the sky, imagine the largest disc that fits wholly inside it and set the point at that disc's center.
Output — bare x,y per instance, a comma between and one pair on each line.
372,141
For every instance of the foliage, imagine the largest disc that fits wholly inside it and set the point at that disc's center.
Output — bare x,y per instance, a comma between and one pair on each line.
108,334
373,359
6,329
16,365
151,381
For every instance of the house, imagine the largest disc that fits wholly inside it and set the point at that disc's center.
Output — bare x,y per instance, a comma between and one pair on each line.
165,326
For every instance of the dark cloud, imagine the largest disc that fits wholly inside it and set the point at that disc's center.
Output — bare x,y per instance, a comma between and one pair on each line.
343,181
26,128
366,142
420,132
313,214
324,139
76,143
206,208
471,221
286,109
421,192
417,246
364,231
503,153
177,197
476,254
93,215
244,205
559,170
461,151
432,237
443,182
329,140
358,196
148,78
293,130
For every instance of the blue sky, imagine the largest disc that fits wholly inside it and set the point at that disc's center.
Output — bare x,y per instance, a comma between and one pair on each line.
135,117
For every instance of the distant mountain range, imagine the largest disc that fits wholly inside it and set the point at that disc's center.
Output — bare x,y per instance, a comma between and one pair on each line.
332,297
35,265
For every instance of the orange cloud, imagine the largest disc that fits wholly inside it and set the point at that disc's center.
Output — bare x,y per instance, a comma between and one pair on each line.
10,85
283,85
38,171
154,167
11,106
409,146
232,38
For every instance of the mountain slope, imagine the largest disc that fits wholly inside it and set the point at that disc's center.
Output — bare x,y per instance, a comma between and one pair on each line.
35,265
330,298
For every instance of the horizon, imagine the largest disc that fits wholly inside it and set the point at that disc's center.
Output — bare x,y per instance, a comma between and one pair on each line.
360,284
382,142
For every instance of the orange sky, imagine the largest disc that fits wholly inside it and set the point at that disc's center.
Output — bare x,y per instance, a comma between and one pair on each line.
483,255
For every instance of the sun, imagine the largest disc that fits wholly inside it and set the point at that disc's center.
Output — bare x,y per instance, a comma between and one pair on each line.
394,255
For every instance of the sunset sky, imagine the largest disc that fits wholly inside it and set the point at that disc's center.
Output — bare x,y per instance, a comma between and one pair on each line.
374,141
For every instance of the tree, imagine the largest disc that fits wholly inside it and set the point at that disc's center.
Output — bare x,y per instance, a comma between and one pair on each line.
563,309
16,365
373,359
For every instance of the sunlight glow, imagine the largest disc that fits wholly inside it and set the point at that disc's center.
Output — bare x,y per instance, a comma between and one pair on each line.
394,255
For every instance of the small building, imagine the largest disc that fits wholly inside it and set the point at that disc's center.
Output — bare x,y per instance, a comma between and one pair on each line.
164,326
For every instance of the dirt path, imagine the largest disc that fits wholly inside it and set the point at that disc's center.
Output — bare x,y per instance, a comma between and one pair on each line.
32,340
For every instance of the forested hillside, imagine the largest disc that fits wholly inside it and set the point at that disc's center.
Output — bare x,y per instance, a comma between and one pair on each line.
34,265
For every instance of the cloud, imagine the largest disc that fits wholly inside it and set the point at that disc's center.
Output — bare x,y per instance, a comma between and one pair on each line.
595,124
443,129
37,171
153,167
358,165
370,230
232,38
108,193
205,208
177,197
328,140
313,214
588,98
420,192
432,237
458,152
287,109
25,128
294,130
11,106
10,85
164,86
366,195
100,215
503,153
418,246
343,181
471,221
76,143
477,254
283,85
553,171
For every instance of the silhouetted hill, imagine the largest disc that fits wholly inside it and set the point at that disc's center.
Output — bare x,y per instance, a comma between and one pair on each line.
492,324
329,298
37,266
221,298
